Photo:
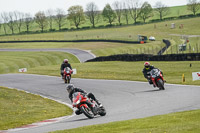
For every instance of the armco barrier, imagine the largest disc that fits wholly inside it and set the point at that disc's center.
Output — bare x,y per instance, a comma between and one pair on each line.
148,57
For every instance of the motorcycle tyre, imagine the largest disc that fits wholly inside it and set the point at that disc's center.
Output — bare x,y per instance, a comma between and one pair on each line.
86,112
68,79
65,80
102,111
160,84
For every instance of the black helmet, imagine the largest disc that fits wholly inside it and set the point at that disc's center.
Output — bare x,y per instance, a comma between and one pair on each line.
70,88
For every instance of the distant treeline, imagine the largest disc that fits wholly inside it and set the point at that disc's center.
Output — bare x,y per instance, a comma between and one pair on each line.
120,13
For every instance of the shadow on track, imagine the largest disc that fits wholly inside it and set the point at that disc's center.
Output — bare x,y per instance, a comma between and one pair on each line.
83,119
148,91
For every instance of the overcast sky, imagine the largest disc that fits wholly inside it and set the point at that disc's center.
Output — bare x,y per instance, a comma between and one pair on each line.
33,6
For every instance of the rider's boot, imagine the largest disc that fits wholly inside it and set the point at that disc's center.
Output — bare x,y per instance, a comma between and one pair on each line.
99,103
78,112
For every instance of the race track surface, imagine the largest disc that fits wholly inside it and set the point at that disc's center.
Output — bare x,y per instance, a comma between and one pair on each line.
123,100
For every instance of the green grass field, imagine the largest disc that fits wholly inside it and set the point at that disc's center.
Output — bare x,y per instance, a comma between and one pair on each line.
12,61
19,108
48,63
182,122
191,27
98,48
173,71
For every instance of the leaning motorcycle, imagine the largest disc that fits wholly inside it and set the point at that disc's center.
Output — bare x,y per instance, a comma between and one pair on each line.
67,75
79,101
157,78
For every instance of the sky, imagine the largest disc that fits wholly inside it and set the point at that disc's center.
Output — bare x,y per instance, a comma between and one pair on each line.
33,6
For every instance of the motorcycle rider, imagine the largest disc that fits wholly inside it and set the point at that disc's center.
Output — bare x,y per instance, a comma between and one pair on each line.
146,71
64,65
71,89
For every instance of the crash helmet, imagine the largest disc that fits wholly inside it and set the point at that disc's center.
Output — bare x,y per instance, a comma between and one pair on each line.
147,65
70,88
65,60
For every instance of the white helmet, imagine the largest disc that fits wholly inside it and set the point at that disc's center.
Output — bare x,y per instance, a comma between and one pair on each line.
65,60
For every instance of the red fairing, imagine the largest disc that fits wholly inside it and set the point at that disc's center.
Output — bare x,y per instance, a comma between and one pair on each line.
153,80
84,105
68,73
156,79
160,77
82,99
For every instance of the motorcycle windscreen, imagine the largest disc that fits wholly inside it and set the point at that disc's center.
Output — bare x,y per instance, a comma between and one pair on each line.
154,73
76,96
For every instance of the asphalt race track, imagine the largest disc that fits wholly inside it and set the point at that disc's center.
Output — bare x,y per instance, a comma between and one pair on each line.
123,100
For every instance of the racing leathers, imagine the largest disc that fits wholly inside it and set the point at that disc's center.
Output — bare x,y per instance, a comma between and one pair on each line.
63,66
146,73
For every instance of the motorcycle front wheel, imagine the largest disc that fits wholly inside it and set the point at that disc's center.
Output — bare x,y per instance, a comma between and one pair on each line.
68,79
160,84
102,111
87,112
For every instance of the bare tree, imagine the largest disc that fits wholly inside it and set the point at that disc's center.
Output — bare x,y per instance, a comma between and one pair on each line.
134,8
109,14
50,18
4,16
194,6
125,12
76,15
11,22
92,13
41,20
162,9
0,24
28,20
118,7
19,16
60,18
146,11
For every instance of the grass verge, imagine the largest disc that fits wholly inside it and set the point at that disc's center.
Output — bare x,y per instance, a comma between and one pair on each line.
181,122
12,61
98,48
20,108
118,70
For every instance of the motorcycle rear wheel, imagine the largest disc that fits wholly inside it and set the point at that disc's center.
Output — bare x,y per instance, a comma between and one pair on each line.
87,112
161,84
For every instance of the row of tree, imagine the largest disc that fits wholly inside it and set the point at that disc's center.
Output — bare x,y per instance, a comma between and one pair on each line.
76,15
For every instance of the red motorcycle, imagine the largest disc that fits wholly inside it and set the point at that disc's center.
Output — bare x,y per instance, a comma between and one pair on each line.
67,75
157,78
79,101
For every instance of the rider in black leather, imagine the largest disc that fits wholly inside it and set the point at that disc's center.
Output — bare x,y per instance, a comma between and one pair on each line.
146,71
71,89
64,65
